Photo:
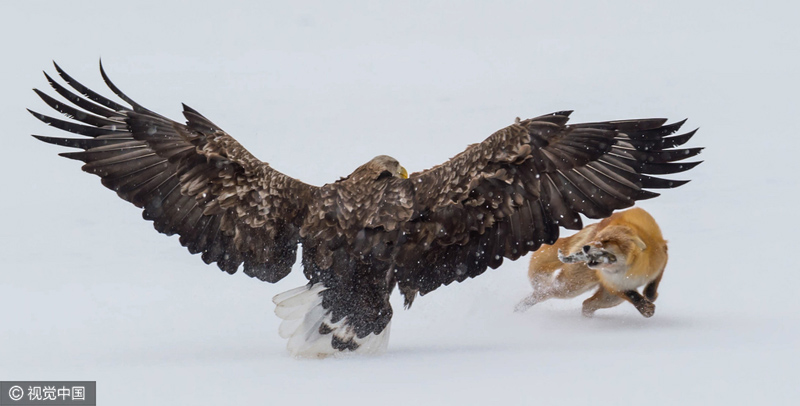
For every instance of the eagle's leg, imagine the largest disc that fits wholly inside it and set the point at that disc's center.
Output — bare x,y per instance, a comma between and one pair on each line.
338,312
312,331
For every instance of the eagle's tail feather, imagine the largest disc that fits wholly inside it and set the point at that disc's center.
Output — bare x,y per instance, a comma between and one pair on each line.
312,334
280,297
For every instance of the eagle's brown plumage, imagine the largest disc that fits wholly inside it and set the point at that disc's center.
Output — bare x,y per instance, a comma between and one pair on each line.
373,229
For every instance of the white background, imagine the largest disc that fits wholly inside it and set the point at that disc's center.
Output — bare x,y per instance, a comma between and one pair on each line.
89,291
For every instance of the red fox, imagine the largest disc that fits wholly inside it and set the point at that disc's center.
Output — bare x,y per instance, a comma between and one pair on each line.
619,254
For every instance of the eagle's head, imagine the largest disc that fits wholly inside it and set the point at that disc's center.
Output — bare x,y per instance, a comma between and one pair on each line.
380,167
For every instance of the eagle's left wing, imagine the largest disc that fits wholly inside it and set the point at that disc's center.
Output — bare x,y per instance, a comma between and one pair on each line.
506,196
190,179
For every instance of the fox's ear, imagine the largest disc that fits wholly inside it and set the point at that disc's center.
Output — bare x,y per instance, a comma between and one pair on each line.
639,243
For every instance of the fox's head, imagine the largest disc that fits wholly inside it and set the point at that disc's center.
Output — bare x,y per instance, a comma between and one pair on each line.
613,249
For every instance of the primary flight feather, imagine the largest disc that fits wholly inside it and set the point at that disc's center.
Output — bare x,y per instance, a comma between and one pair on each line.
378,227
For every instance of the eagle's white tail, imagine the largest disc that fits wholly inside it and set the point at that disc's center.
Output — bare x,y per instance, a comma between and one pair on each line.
310,331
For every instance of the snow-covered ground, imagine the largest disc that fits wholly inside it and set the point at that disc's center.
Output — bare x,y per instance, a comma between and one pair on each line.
89,291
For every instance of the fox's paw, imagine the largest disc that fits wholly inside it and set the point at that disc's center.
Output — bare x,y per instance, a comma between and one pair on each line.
525,304
647,308
588,312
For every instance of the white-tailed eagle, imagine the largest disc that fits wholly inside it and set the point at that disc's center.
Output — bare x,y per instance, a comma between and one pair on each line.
378,227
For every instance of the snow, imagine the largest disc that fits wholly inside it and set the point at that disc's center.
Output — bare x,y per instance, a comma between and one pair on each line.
90,292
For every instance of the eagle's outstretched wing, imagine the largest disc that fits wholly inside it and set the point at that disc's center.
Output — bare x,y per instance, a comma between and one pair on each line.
190,179
509,194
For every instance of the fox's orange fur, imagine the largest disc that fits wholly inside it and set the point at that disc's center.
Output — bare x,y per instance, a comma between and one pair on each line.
618,255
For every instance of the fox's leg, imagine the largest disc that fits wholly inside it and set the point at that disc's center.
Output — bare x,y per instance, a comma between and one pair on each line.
602,299
642,304
527,303
567,284
651,290
542,290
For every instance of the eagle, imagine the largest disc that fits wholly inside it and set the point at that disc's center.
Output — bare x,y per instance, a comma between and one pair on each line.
375,229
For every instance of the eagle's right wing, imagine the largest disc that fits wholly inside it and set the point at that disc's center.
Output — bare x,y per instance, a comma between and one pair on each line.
191,179
507,195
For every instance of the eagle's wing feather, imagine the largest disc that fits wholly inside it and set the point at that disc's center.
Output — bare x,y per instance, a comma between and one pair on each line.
509,194
190,179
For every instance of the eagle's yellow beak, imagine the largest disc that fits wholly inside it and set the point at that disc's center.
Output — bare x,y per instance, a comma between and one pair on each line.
403,173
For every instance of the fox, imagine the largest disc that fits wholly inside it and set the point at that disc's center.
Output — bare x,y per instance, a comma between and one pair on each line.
618,255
